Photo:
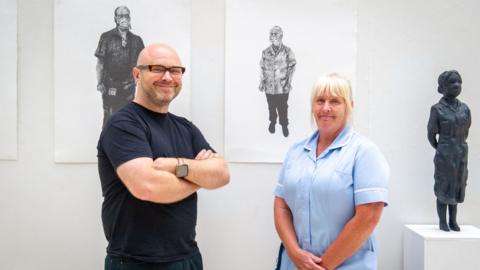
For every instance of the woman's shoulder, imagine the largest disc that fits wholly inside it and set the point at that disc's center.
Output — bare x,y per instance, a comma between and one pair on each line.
298,146
363,143
464,105
305,144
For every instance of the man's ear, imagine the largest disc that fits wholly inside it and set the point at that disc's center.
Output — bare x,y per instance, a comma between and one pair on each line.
136,74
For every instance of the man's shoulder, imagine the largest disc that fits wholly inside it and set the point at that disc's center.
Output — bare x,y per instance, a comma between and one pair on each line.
287,49
180,119
135,41
125,114
109,33
120,119
132,35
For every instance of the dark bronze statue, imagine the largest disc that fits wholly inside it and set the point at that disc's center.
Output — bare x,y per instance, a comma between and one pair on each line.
450,119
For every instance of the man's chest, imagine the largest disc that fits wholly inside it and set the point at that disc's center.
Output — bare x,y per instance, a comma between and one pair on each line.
171,142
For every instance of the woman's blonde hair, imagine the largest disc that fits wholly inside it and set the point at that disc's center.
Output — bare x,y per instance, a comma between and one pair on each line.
336,86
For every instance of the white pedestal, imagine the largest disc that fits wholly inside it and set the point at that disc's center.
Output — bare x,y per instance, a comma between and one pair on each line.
426,247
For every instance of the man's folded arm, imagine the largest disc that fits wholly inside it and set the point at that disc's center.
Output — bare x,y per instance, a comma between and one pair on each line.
208,173
208,170
147,183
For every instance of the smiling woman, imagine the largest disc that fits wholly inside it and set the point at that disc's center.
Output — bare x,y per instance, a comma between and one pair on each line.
332,189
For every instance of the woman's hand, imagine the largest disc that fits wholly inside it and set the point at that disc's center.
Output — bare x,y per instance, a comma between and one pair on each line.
304,260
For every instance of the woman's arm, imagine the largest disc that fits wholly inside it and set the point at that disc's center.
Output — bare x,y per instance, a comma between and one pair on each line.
284,224
432,128
353,235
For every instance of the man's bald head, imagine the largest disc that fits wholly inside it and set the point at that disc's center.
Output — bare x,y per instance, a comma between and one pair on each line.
159,52
157,87
123,9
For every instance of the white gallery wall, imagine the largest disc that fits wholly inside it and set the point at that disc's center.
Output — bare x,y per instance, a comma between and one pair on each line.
50,213
8,71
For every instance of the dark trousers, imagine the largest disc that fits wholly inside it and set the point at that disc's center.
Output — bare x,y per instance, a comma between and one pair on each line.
279,257
120,263
277,106
115,97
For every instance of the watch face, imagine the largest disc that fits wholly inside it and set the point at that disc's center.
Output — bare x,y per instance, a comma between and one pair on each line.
181,170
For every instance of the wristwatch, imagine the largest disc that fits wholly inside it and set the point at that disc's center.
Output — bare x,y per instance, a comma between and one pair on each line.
181,170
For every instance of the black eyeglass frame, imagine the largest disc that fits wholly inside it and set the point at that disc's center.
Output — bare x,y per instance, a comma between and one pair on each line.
149,67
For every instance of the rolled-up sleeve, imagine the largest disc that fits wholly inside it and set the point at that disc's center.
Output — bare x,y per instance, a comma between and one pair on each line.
370,176
101,50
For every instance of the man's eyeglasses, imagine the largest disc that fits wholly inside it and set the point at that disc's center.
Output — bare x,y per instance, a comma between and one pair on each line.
127,16
159,69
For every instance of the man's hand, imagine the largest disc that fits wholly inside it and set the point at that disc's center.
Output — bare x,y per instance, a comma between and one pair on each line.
262,86
205,154
304,260
208,170
101,88
165,164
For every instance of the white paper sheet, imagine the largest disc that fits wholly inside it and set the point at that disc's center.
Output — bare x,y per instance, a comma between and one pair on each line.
78,26
322,36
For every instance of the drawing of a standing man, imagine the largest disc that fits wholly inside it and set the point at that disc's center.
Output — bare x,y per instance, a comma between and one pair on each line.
117,53
277,66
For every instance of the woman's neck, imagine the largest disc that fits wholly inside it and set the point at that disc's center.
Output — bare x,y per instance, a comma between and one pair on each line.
450,100
325,139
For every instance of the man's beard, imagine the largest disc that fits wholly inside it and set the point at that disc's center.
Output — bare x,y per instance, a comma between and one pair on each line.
128,27
160,100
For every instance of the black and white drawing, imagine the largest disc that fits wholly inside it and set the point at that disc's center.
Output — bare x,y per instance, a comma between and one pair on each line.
96,44
277,66
287,45
8,69
117,54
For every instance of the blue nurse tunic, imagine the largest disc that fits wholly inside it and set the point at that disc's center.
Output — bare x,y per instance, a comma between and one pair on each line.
322,192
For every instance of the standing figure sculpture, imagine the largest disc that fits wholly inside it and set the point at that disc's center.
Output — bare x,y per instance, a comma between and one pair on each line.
450,119
117,54
277,66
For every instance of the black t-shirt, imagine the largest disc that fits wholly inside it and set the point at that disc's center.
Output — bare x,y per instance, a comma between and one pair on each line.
143,230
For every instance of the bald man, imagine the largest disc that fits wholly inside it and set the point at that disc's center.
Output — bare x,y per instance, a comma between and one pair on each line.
151,163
